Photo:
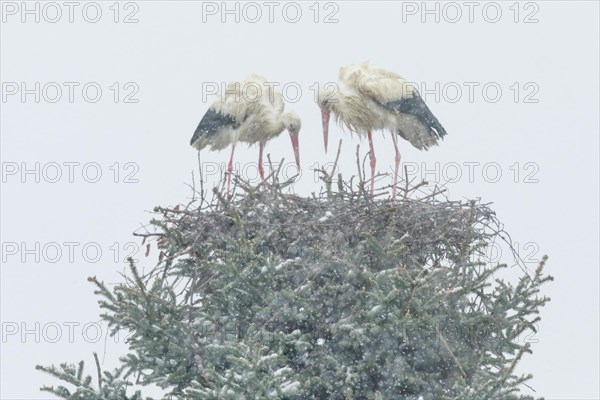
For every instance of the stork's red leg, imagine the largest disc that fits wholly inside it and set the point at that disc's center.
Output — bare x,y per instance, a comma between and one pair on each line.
261,170
373,160
229,169
397,163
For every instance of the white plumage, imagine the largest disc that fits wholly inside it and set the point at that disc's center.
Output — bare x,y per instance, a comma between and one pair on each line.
250,111
368,98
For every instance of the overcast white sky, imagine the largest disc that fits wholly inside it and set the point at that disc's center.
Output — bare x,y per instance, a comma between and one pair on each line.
515,85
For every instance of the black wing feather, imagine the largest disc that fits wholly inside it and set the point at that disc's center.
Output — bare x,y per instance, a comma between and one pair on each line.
212,122
416,106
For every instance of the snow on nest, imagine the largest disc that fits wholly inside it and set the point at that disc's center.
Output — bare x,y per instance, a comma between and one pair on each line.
328,214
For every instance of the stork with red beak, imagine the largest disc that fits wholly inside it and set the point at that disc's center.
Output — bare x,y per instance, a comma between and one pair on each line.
251,111
368,98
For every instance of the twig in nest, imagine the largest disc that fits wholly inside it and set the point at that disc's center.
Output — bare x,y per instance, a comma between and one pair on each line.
340,183
361,175
202,194
327,177
433,194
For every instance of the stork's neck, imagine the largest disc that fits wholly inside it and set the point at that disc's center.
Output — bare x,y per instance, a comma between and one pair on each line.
273,127
280,123
341,104
349,110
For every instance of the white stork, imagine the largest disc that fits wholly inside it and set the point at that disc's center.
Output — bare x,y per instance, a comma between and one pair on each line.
250,111
368,98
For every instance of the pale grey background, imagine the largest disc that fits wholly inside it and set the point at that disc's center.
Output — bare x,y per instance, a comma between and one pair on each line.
170,52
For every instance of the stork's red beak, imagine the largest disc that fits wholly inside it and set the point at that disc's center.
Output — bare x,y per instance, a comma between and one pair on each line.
325,114
294,137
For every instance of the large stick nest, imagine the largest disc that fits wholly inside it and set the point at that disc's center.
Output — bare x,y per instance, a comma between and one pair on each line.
432,230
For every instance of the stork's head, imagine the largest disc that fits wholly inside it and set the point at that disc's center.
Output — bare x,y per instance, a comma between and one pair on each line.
292,123
327,99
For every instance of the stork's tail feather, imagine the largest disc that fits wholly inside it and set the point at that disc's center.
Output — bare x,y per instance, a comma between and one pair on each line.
420,141
434,126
